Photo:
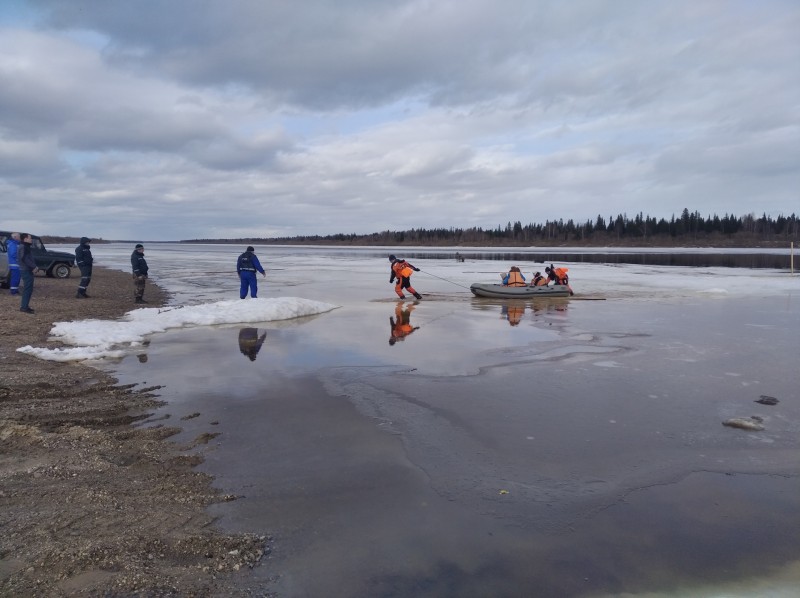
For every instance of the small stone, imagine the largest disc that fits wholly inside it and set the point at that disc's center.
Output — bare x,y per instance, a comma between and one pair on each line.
767,400
743,423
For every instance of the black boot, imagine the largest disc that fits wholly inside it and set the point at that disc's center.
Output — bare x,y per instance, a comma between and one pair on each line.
417,295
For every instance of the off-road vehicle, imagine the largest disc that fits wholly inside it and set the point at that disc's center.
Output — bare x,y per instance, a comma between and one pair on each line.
56,264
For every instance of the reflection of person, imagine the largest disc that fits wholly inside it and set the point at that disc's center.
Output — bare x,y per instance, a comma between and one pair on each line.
83,259
139,265
250,342
513,311
401,270
27,267
539,280
12,245
514,278
400,324
247,265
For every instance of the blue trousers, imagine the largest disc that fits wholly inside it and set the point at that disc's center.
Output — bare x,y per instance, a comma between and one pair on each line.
27,288
14,282
249,281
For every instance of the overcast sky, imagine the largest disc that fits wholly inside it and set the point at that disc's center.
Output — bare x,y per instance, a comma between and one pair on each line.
167,120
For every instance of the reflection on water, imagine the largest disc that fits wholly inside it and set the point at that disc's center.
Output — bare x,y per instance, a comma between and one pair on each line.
250,342
513,312
400,324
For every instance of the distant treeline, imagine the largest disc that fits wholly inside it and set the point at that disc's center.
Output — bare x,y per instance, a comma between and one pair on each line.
688,229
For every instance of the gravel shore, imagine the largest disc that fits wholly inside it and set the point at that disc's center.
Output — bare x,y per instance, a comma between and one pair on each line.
90,503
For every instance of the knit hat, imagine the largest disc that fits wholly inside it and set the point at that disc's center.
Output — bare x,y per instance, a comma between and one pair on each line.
250,248
85,240
139,246
392,258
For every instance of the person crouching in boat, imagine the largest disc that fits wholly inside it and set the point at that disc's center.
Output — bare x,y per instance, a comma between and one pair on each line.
401,270
514,278
539,280
559,276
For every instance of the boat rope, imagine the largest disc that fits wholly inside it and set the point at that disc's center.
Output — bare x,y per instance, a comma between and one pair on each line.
444,279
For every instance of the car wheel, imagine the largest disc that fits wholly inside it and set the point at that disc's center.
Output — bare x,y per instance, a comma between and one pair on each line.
61,271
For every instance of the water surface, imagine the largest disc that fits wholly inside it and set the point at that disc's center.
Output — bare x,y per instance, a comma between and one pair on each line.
565,448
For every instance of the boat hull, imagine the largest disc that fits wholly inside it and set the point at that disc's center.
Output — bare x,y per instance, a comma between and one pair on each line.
499,291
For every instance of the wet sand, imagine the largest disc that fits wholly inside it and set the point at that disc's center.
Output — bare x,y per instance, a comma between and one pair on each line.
579,452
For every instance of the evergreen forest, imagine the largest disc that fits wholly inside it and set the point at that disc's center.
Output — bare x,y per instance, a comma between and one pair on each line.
690,229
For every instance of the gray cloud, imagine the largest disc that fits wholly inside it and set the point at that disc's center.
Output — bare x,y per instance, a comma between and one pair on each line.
212,118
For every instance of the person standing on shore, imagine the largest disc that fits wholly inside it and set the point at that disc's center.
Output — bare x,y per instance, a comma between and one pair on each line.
139,265
401,270
246,266
13,262
27,267
84,260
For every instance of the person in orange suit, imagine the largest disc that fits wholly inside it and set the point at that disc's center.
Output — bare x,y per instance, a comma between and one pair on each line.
401,271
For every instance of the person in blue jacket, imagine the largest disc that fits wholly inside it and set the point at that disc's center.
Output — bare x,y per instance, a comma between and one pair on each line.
247,265
13,263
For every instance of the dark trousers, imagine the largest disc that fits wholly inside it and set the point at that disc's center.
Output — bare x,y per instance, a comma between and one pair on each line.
138,285
27,288
86,278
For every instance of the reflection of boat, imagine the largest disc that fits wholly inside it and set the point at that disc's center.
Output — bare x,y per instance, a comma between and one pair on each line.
481,289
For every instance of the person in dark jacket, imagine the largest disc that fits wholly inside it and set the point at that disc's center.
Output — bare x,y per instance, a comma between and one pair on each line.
27,268
246,266
83,259
139,266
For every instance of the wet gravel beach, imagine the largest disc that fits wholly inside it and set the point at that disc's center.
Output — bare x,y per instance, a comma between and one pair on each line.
89,503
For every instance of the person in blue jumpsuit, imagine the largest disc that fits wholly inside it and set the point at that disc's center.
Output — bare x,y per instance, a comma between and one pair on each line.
13,264
247,265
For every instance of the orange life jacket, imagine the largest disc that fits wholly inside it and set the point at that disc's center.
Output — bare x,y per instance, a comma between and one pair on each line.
560,275
515,279
539,281
401,269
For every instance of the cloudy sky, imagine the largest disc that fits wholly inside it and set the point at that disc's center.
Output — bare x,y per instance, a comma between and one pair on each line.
166,120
